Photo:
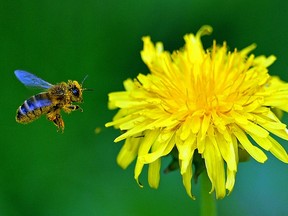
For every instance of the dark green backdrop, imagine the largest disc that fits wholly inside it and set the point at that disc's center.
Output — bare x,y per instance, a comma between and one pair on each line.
45,173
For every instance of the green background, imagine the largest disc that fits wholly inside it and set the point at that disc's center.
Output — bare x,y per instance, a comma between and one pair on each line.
46,173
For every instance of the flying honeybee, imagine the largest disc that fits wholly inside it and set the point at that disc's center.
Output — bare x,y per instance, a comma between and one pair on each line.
50,102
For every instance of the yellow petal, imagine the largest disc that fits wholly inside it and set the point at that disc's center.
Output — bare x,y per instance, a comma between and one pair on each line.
215,168
278,151
154,173
162,149
255,129
227,151
255,152
230,180
186,151
265,62
205,125
144,148
186,177
265,143
195,127
137,171
128,152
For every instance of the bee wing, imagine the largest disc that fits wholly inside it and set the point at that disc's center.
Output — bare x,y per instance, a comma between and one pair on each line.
30,80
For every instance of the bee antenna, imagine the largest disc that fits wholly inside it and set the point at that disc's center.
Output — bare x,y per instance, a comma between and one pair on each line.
87,89
84,80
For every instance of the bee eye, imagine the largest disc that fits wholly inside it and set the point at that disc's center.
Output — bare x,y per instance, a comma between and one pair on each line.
75,91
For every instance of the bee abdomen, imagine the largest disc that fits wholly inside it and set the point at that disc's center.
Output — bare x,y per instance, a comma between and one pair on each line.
33,107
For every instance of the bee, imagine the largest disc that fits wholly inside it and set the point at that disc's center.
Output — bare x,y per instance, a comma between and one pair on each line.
56,98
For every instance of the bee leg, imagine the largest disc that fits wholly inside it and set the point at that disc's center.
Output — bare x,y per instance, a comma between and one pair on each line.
71,107
57,120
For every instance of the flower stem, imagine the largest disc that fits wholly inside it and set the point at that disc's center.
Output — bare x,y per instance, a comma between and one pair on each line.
208,202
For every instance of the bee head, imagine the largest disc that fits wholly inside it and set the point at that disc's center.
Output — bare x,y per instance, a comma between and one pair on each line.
75,90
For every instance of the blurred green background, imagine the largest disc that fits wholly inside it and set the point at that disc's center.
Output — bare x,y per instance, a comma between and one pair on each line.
46,173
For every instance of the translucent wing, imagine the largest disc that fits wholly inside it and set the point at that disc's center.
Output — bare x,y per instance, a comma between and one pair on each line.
30,80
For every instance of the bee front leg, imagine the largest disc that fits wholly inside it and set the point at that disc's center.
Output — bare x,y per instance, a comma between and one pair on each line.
71,107
57,120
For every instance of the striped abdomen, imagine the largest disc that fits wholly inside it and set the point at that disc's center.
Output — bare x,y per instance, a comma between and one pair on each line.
32,108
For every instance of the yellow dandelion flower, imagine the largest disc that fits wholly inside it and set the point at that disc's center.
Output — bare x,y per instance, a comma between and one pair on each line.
210,103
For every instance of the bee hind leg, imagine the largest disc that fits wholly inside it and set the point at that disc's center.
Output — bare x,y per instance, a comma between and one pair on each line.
57,120
71,107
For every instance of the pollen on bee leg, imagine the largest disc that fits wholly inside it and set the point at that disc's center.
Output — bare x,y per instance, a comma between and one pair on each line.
60,124
57,120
